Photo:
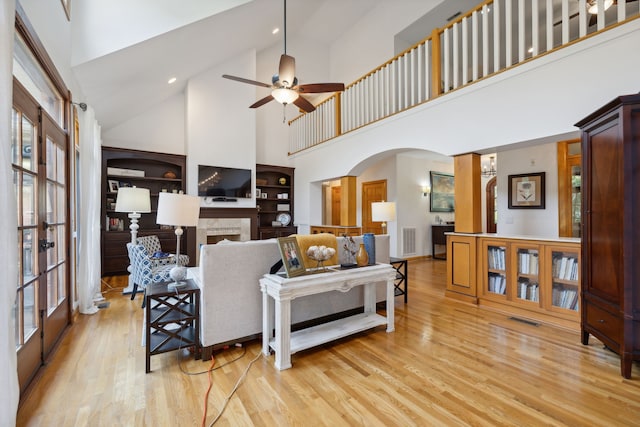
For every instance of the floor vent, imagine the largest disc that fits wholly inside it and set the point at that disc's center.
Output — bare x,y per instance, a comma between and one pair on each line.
408,241
528,322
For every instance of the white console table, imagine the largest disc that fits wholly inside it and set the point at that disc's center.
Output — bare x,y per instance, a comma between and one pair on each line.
283,290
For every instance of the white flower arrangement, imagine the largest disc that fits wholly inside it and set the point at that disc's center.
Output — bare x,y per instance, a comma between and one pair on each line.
320,253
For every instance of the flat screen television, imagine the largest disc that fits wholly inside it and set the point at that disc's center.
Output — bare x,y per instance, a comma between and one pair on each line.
224,184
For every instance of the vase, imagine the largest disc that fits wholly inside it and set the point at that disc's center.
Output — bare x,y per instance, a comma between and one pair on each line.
369,240
362,258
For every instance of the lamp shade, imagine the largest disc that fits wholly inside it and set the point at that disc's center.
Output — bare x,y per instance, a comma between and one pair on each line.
178,210
383,211
133,199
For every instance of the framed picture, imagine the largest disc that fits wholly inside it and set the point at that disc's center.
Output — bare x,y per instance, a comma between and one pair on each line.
442,187
291,259
258,193
526,191
113,185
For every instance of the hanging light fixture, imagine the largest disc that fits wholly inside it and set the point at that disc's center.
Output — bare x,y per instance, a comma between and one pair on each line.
284,96
592,6
491,170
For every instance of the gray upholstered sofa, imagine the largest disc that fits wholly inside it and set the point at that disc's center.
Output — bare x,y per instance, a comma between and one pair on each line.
230,298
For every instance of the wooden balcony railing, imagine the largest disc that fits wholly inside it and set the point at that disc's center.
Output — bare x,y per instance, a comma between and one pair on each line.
464,52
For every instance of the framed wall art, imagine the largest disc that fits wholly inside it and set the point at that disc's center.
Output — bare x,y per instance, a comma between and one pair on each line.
526,191
442,191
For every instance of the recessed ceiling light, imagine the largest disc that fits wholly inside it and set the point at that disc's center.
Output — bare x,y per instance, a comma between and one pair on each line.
172,80
275,30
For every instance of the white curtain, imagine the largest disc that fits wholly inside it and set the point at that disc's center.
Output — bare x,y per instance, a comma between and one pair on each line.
9,391
89,213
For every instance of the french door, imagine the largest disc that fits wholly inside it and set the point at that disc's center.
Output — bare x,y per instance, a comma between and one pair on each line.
39,163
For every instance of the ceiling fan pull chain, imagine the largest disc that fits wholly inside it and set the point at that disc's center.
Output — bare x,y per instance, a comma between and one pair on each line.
284,115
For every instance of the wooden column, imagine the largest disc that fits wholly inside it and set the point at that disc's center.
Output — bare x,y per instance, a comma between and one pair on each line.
468,202
348,201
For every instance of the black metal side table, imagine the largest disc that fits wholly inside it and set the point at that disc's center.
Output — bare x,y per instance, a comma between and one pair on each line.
173,319
402,276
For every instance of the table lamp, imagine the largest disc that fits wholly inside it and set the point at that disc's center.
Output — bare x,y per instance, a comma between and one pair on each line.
178,210
383,211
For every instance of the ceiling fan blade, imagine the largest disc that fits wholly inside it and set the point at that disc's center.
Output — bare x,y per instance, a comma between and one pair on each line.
287,70
261,102
321,87
242,80
303,104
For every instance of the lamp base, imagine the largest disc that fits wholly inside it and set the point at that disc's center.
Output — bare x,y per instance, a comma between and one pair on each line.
178,274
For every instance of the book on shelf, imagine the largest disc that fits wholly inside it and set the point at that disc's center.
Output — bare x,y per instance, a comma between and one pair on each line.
496,258
565,268
528,262
565,298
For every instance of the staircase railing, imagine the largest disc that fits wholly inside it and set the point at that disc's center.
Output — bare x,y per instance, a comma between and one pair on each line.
462,53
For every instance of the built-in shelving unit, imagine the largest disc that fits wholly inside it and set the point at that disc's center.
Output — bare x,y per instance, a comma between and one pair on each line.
537,280
156,171
274,201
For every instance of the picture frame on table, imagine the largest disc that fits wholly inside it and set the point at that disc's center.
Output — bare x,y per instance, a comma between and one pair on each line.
527,191
442,192
113,185
291,259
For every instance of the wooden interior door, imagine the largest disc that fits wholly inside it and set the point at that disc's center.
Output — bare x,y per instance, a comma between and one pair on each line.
372,191
336,202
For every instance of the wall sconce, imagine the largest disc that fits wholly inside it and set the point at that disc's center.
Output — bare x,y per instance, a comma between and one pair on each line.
426,190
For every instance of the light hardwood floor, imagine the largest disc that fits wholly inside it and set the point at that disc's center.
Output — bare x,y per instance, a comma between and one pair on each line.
447,363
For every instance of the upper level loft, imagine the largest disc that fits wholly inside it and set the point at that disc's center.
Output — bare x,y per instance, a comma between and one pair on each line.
495,36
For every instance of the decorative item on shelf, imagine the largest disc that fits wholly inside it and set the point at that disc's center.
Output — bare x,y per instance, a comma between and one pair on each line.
261,181
284,218
350,251
383,211
320,254
169,175
369,241
282,181
362,259
178,210
265,195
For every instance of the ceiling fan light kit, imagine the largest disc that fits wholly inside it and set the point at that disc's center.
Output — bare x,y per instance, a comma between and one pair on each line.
285,96
284,85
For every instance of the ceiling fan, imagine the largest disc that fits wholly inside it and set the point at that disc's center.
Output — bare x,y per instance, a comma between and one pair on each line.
284,85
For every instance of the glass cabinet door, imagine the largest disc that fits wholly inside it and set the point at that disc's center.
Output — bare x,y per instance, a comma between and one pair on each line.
565,289
527,274
496,279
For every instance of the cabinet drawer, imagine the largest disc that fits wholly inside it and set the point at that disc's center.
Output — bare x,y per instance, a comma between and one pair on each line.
604,322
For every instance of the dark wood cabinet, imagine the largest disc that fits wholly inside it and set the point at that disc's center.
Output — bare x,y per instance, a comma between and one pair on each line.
274,201
439,238
611,233
156,171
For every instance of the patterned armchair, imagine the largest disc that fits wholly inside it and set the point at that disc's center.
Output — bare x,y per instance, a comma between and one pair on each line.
145,269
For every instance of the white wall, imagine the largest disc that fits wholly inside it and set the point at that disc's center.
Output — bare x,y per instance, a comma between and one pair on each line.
220,129
161,129
141,20
413,209
370,41
529,222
